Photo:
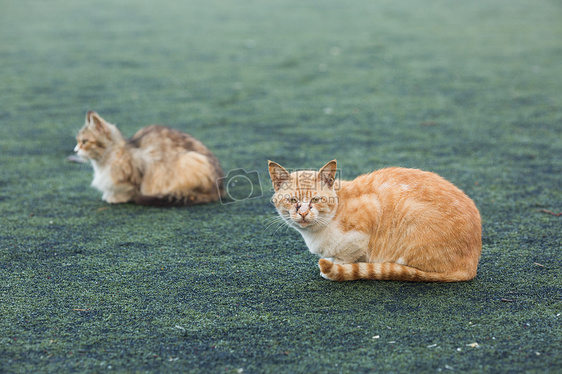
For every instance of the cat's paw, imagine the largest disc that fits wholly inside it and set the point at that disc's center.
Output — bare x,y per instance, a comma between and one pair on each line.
113,199
325,268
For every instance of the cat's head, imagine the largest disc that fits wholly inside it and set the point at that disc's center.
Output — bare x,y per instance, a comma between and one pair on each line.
305,199
96,137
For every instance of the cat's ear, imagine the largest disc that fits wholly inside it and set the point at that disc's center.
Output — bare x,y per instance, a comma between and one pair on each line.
327,175
278,174
96,122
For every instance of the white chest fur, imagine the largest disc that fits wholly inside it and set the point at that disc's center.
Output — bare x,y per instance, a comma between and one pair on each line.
344,247
102,177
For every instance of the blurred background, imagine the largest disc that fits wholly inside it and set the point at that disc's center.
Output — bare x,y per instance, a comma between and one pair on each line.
470,90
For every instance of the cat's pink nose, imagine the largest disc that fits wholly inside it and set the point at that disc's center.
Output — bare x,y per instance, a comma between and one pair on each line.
303,213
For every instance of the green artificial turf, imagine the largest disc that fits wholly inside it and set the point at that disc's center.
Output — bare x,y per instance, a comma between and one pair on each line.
469,89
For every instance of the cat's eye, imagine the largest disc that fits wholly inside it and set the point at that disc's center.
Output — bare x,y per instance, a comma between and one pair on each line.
84,141
293,200
315,200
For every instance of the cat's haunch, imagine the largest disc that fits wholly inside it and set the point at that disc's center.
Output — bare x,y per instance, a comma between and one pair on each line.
158,166
392,224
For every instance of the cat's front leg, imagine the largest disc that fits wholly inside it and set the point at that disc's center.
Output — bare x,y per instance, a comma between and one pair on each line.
117,197
114,199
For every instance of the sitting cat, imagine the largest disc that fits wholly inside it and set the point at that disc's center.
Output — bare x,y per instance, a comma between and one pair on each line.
158,166
392,224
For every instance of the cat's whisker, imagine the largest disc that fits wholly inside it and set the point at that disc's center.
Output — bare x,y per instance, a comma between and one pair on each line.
273,221
276,221
281,227
272,225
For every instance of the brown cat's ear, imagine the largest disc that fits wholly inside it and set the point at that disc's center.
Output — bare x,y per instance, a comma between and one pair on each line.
278,174
93,119
327,174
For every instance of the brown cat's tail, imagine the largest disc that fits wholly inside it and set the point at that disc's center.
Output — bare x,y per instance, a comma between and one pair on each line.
172,201
155,201
386,271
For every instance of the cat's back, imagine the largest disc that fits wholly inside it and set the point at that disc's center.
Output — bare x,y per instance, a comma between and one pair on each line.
398,180
411,189
166,139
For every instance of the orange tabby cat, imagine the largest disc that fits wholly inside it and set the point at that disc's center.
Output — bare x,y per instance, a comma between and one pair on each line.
392,224
157,166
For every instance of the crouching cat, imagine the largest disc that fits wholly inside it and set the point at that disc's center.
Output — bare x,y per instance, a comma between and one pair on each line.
158,166
392,224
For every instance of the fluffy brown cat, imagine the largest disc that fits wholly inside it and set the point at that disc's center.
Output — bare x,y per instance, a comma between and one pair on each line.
392,224
157,166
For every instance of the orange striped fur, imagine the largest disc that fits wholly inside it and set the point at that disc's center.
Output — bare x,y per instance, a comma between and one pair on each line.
392,224
157,166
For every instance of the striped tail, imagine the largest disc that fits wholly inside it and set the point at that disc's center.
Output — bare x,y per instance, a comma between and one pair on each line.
386,271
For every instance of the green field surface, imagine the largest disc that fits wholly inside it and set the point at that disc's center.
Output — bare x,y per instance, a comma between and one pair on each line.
471,90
